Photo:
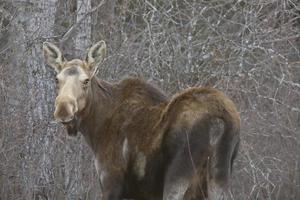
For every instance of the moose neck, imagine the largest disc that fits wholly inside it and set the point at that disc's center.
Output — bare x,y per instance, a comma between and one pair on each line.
97,112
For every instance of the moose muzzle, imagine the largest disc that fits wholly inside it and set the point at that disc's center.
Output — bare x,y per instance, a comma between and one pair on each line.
65,109
65,113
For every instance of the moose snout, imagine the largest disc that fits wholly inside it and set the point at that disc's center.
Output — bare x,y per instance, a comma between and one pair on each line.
65,109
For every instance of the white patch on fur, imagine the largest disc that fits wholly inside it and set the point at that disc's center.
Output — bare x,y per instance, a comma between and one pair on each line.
97,166
100,172
125,150
140,165
102,176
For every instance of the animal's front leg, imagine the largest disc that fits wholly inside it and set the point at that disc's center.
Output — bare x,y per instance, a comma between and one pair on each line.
112,186
111,182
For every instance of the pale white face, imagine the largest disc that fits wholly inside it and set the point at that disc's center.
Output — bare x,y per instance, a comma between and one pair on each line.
73,79
73,82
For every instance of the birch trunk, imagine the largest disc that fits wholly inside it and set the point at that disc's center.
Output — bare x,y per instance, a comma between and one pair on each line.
29,95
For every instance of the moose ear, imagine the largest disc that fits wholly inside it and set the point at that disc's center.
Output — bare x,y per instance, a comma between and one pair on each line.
95,55
53,56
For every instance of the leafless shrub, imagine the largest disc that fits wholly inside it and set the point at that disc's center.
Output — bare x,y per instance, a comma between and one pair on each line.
248,49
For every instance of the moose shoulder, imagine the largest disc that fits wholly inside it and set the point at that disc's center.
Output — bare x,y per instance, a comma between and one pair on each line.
146,145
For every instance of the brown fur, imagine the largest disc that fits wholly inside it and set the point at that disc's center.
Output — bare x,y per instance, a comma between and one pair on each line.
149,146
137,111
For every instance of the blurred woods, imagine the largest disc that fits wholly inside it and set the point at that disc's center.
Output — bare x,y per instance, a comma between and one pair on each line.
248,49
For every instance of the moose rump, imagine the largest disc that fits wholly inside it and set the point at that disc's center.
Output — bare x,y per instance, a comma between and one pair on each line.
195,163
147,146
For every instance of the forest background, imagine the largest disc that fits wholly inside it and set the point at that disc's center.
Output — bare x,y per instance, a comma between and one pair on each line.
248,49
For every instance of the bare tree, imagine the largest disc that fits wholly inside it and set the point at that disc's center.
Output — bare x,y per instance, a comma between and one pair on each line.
248,49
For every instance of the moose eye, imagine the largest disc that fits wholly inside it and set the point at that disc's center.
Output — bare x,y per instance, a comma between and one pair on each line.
56,80
86,81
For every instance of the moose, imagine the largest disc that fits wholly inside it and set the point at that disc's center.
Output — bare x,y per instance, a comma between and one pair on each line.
147,145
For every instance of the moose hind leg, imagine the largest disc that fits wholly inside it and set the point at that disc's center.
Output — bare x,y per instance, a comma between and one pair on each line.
227,148
176,181
190,157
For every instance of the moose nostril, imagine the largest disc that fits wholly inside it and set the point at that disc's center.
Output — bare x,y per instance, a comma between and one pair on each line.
64,112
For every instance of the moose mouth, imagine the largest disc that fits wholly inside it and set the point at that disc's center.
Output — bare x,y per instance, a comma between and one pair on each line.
71,127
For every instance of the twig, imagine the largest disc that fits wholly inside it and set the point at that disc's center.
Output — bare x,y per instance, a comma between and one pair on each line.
74,27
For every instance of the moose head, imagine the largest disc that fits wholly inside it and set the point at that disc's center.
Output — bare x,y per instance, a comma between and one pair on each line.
73,79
